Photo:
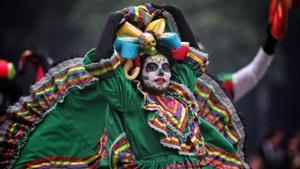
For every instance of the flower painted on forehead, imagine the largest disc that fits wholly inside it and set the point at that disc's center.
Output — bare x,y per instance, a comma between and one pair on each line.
158,58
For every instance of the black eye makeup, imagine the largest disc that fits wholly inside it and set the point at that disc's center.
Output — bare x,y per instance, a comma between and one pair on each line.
151,67
166,67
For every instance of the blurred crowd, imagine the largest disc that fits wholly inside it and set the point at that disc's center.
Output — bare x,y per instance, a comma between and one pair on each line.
277,151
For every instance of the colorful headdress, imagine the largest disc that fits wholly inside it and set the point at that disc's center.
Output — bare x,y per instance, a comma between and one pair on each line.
133,41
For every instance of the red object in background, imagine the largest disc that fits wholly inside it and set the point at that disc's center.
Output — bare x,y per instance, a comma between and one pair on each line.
40,72
278,17
3,68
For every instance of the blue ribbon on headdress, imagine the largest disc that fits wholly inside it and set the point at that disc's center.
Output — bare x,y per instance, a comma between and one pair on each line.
129,48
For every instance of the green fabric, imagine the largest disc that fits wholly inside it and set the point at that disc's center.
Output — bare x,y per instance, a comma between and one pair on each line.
214,138
73,128
182,74
127,102
73,121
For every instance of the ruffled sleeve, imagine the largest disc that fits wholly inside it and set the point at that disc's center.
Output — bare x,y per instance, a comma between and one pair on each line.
104,68
191,67
29,111
196,60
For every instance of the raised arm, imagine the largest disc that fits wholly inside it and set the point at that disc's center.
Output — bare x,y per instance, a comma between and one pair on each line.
191,62
104,63
246,78
104,60
239,83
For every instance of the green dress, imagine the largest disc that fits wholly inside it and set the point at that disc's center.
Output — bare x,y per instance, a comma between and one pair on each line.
88,115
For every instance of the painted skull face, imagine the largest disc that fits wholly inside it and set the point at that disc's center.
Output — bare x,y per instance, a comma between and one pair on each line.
156,73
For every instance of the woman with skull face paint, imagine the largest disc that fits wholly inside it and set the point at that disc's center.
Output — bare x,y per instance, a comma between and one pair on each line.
156,74
87,114
156,71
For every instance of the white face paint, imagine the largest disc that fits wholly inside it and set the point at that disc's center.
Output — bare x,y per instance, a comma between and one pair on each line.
156,73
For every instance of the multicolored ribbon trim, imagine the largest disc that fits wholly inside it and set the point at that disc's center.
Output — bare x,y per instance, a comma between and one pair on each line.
91,162
33,109
121,154
102,68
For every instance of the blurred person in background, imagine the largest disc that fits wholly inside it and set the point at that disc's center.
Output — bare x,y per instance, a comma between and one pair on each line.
273,154
40,63
272,150
294,151
9,89
256,162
